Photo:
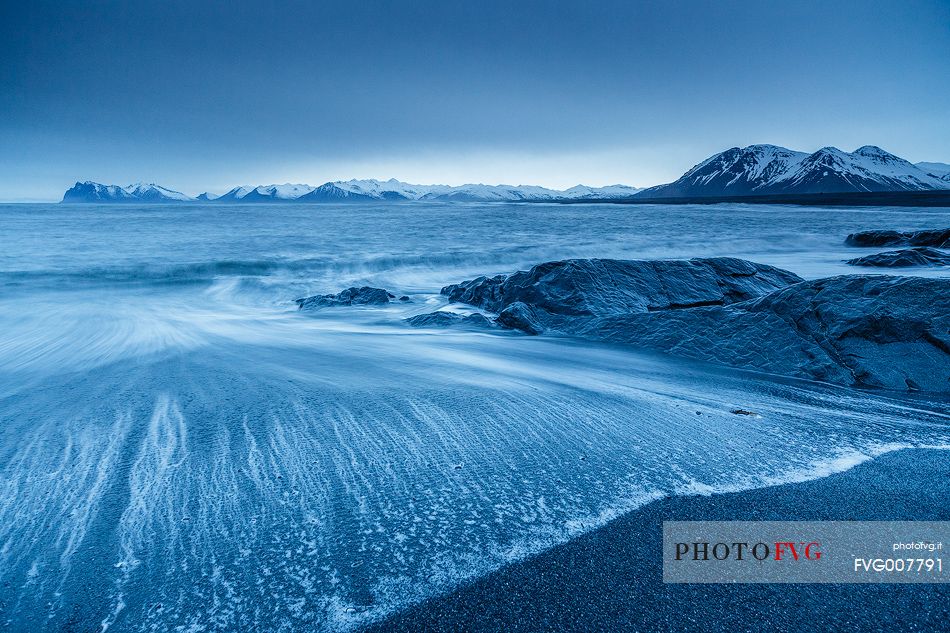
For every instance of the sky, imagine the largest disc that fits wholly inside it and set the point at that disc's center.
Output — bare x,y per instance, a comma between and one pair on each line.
208,95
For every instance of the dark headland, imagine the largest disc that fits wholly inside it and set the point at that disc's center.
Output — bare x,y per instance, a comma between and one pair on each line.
934,198
611,578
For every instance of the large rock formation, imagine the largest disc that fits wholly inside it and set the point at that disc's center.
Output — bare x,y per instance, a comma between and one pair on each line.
939,238
921,256
880,331
568,291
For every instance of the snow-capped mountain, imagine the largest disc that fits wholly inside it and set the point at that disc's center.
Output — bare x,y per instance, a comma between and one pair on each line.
362,190
868,168
95,192
261,193
346,191
334,192
396,190
938,170
583,192
495,193
391,189
768,169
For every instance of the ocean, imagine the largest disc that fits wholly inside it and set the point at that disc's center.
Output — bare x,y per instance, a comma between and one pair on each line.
182,449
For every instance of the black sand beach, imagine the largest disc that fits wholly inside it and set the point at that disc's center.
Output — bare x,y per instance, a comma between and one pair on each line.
611,579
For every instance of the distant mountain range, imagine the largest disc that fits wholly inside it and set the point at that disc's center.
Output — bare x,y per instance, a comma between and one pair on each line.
344,191
769,169
755,170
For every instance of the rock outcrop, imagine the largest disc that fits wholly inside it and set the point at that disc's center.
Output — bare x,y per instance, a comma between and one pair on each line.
939,238
860,330
365,295
560,294
920,256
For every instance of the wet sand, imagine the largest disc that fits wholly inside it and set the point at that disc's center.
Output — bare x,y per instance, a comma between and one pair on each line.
611,578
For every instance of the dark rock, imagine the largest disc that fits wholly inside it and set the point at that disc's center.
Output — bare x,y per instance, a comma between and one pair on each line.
572,290
740,412
349,297
405,298
939,238
878,331
450,319
920,256
520,316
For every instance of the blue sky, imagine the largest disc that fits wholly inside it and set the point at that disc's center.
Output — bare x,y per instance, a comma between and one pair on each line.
209,95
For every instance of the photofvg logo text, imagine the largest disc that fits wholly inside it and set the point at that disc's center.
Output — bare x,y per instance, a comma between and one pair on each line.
740,550
804,551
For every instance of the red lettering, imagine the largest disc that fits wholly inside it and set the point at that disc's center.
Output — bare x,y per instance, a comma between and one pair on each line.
780,549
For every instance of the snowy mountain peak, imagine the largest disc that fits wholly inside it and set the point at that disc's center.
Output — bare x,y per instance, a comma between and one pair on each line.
873,151
770,169
827,156
765,149
831,150
264,193
151,191
738,169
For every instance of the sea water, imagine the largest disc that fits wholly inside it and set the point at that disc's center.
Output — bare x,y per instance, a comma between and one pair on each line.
182,449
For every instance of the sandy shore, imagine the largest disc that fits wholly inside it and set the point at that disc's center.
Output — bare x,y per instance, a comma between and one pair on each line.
611,579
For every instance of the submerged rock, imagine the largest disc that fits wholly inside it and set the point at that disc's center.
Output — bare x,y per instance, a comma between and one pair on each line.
450,319
365,295
862,330
568,291
939,238
920,256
